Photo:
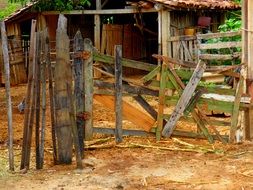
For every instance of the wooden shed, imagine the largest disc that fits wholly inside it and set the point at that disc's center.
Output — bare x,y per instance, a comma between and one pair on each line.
142,27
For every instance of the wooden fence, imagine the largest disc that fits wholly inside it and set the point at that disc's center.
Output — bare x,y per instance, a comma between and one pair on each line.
206,47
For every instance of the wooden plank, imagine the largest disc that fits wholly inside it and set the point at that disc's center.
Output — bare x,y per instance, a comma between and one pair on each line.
43,101
220,45
79,88
74,128
161,101
130,112
145,105
101,12
236,55
37,84
28,96
235,113
219,35
8,95
184,99
118,93
151,75
62,74
126,88
51,97
249,55
88,80
125,62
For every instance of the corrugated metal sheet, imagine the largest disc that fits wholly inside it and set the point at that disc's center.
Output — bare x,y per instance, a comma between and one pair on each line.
198,4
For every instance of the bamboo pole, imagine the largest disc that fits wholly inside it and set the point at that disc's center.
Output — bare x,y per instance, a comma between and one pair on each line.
8,95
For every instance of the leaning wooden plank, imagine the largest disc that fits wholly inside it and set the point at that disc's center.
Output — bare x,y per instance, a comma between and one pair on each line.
63,75
8,95
151,75
145,105
88,91
130,112
28,95
184,99
235,114
118,93
37,97
76,141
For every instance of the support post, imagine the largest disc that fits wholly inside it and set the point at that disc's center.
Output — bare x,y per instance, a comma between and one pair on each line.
8,95
118,93
63,74
88,79
79,89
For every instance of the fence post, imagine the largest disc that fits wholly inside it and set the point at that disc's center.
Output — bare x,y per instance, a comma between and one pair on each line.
118,92
79,88
88,80
8,95
63,74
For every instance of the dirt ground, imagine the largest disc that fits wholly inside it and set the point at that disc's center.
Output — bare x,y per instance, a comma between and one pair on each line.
137,163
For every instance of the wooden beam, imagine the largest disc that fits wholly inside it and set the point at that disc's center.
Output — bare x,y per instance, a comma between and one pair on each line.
219,35
130,112
165,31
8,95
220,45
100,12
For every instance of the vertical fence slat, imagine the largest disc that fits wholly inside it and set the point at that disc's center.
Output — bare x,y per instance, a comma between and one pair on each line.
28,95
79,88
88,78
62,74
118,92
8,95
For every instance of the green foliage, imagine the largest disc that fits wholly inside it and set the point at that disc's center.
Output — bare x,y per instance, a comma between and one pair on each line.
58,5
9,9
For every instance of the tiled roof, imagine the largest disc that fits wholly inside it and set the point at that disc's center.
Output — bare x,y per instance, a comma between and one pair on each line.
199,4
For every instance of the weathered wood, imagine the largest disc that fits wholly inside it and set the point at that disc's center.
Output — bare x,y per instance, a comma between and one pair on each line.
72,114
145,105
63,75
43,98
79,88
220,57
118,93
101,12
88,78
235,113
161,101
37,89
249,54
151,75
125,62
8,95
51,97
130,112
219,35
127,88
27,131
184,99
220,45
